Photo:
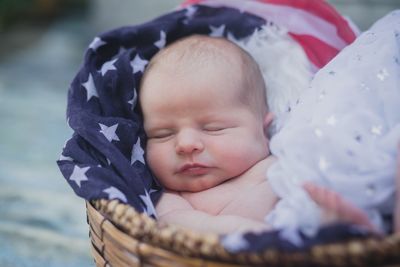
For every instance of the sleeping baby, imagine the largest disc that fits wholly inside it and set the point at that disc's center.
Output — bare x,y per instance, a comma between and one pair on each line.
206,120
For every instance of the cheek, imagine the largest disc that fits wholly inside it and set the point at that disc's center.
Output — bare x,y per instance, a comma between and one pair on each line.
238,154
234,146
157,158
228,153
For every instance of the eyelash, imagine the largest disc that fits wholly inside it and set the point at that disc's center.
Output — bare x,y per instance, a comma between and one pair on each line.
214,129
160,136
206,129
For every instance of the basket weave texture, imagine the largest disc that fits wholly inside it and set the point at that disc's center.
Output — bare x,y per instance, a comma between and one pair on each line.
121,236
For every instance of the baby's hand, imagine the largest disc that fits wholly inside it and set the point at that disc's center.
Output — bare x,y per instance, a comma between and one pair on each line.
337,209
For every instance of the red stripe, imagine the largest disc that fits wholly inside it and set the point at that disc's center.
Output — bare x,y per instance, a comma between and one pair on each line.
190,2
318,8
318,52
323,10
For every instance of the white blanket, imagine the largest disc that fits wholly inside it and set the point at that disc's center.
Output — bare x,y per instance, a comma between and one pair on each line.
344,131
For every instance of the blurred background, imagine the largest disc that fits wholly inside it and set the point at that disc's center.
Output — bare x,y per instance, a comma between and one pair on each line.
42,223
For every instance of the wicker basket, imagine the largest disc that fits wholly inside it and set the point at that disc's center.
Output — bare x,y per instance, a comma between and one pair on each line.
122,237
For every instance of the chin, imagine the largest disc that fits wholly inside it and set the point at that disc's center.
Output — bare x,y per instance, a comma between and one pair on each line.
195,189
199,184
204,185
198,187
191,188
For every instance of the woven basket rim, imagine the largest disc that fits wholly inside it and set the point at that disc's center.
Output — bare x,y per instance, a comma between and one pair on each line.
188,243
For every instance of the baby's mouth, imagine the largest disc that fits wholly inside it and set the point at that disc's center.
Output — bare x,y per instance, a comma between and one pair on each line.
194,169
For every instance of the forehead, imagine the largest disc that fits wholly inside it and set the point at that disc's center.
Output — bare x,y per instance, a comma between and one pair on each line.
192,70
165,85
221,73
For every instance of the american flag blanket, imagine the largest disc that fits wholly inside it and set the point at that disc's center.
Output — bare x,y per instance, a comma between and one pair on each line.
105,157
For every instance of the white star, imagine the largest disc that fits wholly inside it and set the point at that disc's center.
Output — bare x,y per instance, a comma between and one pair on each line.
90,88
134,99
138,64
163,40
217,31
382,74
62,157
318,132
114,193
323,164
365,87
109,132
331,120
96,43
376,130
109,65
321,95
78,175
137,153
148,204
190,11
234,242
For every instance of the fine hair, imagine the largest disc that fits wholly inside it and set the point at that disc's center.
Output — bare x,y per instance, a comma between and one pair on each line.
199,51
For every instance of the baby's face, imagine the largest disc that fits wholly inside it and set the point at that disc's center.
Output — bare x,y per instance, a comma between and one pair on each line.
199,133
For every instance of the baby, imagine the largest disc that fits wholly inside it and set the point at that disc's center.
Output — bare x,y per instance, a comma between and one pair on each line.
206,119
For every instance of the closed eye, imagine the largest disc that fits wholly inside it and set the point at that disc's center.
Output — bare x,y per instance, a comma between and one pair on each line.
216,128
160,135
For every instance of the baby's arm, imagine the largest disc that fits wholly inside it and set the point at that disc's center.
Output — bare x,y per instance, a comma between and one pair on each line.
337,209
174,209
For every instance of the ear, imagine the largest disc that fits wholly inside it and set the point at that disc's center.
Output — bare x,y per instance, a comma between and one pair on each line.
269,117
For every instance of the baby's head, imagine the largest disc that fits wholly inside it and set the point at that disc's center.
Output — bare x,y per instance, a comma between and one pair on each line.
205,113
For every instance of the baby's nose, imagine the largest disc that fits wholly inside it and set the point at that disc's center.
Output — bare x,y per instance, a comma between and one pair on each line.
188,141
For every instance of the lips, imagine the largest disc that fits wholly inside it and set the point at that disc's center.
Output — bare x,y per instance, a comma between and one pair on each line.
194,169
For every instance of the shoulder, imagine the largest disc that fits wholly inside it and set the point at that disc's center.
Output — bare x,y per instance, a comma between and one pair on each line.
264,164
257,173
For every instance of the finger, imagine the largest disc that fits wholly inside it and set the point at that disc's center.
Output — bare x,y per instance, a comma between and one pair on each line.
330,201
336,208
326,201
322,196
